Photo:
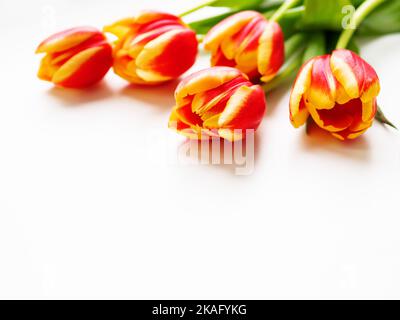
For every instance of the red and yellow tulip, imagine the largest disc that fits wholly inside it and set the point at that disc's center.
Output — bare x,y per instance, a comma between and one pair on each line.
152,47
217,102
339,91
75,58
248,42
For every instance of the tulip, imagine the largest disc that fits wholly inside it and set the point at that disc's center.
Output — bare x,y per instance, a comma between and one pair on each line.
75,58
248,42
217,102
339,92
152,47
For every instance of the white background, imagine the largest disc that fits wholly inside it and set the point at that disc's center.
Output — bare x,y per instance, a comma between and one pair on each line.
91,208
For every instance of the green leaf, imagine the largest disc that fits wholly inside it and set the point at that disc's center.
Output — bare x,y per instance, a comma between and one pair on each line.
204,25
237,4
316,46
385,19
289,22
326,15
295,43
356,3
380,117
230,5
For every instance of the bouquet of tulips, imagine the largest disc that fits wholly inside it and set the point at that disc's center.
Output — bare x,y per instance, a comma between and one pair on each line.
255,46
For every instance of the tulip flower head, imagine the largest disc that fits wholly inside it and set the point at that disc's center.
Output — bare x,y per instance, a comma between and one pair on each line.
248,42
75,58
152,47
339,91
217,102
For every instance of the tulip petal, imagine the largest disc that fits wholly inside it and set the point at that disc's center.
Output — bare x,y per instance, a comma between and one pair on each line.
141,22
204,80
360,72
125,67
192,132
371,87
122,27
355,135
219,59
346,116
206,103
227,28
247,52
330,120
245,108
178,46
322,91
341,95
231,134
176,123
360,126
271,51
248,37
186,115
348,71
147,16
298,112
84,68
67,39
212,122
141,39
369,110
348,135
229,48
150,76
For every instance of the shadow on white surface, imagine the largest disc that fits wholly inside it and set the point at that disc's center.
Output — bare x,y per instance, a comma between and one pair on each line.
161,96
275,99
79,97
320,140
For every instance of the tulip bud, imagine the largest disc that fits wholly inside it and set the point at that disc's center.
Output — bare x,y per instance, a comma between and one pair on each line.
339,92
152,47
75,58
248,42
217,102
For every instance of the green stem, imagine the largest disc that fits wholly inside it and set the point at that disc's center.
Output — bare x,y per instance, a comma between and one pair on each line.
359,16
288,71
283,8
298,49
293,13
295,42
200,6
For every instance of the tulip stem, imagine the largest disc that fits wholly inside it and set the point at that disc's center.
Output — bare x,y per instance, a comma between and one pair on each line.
292,14
200,6
285,73
359,16
294,43
283,8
